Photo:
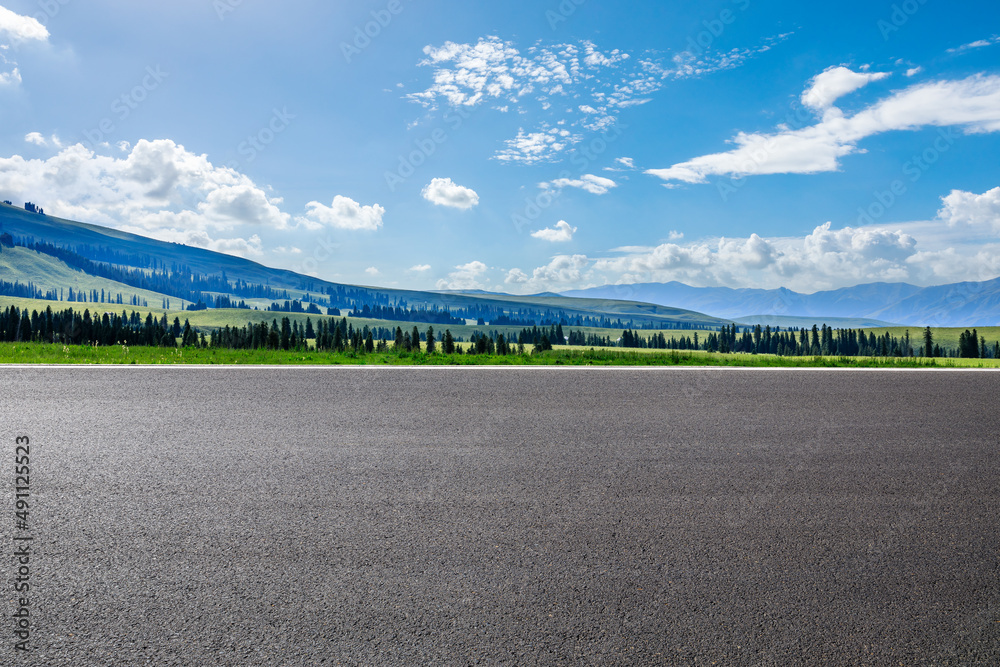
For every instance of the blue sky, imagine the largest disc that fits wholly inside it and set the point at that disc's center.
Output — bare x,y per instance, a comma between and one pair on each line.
524,146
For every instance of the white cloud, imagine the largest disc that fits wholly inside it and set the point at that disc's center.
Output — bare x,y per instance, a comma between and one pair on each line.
561,233
913,71
252,247
159,190
826,258
595,85
835,82
10,78
687,64
961,244
593,184
978,44
420,268
544,146
516,277
972,210
561,273
36,138
17,28
372,271
344,213
626,162
465,277
972,104
444,192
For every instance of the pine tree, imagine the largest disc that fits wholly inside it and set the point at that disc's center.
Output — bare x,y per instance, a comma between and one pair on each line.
928,342
449,342
430,340
286,333
415,339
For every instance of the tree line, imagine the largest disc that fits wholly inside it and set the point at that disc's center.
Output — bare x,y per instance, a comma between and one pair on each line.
71,327
818,341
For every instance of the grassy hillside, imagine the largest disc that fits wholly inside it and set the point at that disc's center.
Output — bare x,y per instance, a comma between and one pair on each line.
68,233
47,272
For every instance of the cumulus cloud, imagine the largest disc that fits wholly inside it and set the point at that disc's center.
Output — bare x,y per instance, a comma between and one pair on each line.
593,184
826,258
516,277
372,271
561,273
344,213
36,138
444,192
971,210
464,277
561,233
159,189
420,268
16,28
961,243
972,104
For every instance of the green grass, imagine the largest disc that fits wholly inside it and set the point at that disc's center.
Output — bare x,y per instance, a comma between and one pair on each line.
39,353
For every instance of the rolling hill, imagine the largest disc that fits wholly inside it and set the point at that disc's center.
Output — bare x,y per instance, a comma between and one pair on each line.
137,263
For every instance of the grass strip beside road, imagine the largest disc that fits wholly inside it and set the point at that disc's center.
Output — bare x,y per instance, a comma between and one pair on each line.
42,353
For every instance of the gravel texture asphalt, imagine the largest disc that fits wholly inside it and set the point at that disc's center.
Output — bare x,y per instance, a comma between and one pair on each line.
454,516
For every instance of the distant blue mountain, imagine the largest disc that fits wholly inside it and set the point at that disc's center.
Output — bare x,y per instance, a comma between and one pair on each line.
956,305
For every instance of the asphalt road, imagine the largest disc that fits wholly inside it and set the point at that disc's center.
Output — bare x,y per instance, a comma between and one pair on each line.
450,516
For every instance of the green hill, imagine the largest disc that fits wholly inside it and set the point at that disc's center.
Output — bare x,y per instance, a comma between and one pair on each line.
131,252
49,273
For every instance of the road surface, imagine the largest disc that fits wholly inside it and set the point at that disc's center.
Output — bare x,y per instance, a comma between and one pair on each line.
380,516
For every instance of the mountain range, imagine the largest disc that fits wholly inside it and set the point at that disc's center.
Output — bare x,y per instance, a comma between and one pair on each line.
956,305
